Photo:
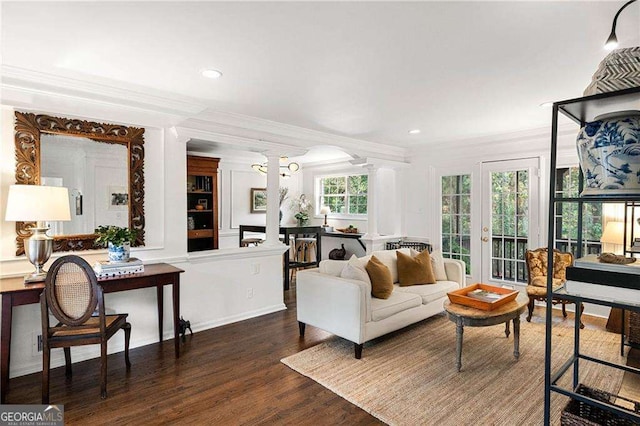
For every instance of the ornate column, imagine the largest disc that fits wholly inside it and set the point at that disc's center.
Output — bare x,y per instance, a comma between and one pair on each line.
273,208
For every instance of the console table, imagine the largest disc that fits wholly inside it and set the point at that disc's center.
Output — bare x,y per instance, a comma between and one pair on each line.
14,292
287,231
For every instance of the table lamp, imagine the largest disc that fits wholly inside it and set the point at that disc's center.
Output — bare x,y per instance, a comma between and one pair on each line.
36,203
613,235
325,210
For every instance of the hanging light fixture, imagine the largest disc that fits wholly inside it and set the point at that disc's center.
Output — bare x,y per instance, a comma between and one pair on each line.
612,41
285,170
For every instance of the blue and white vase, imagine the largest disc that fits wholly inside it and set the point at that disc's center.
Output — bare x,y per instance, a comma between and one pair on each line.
609,153
119,253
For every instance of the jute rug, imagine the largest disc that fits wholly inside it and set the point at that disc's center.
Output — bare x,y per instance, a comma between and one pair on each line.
409,377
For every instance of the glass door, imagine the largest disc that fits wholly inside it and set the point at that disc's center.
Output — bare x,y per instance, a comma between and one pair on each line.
510,219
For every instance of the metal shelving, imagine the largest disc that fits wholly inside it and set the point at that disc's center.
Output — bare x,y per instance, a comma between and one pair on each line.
582,110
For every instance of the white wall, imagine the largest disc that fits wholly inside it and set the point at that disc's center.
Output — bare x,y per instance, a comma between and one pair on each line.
216,285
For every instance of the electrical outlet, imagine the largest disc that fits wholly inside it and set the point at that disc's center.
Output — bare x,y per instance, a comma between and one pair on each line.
255,268
249,293
36,343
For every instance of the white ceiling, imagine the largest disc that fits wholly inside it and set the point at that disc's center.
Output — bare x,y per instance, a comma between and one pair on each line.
366,70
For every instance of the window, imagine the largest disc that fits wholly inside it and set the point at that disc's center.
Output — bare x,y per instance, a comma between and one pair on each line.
566,216
345,195
456,218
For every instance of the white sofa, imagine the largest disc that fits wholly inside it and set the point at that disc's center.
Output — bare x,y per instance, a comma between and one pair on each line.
346,308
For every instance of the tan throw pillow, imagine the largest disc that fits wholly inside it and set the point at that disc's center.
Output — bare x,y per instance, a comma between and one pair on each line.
415,270
381,282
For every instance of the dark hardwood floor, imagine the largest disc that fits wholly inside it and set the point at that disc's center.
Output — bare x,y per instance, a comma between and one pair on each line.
226,376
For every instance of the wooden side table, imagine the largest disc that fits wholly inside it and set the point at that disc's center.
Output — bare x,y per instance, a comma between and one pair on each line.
464,315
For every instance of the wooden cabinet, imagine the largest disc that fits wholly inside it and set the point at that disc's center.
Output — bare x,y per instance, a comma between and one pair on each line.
202,203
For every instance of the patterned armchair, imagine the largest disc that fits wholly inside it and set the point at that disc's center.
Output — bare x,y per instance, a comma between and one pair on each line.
537,277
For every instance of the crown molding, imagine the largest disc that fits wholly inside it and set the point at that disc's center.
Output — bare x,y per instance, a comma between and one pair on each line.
34,82
509,139
259,128
249,144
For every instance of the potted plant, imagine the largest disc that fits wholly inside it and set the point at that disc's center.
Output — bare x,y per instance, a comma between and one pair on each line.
303,207
118,241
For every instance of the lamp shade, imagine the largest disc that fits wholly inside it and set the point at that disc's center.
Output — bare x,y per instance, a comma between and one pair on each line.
33,203
613,233
325,210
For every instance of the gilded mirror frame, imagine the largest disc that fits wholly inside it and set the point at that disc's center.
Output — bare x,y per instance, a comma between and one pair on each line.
28,130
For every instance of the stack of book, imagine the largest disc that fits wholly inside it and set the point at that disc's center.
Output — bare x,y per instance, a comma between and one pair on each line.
106,269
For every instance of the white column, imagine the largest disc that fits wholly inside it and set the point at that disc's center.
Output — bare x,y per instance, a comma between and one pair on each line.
372,202
273,207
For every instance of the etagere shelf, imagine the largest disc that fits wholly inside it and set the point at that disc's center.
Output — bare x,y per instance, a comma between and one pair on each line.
584,110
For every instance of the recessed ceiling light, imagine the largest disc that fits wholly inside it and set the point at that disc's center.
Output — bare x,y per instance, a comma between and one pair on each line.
211,73
546,104
414,131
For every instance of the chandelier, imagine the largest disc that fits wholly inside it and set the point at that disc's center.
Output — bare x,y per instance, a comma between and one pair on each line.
285,170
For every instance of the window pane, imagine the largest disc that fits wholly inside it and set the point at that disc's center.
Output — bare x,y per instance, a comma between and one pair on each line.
456,218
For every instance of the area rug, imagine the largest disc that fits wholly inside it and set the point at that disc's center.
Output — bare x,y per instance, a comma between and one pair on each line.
409,377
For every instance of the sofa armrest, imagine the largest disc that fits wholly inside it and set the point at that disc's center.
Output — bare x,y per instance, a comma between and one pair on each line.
455,271
334,304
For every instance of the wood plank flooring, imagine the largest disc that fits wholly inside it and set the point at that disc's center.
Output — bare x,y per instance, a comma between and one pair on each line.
226,376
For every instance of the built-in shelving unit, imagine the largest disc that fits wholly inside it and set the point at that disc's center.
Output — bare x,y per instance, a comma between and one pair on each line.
202,203
583,110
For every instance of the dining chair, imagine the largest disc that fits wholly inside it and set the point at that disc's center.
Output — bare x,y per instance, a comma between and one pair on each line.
72,295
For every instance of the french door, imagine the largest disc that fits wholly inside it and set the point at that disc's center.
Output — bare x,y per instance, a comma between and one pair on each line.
510,219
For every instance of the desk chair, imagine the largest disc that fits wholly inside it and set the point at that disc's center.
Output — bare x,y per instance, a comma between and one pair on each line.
72,295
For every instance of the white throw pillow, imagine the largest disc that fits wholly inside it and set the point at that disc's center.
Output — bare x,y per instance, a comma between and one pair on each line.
352,272
355,270
437,262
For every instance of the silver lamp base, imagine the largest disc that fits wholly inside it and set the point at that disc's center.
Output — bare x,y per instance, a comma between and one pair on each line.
38,249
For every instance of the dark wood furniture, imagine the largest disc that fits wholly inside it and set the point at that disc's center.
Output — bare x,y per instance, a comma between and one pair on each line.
14,292
286,232
351,236
465,315
29,130
202,202
72,295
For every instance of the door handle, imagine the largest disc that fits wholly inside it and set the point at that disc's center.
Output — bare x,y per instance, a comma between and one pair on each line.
485,239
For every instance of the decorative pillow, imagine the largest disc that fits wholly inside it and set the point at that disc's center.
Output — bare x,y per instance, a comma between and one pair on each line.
388,258
352,271
437,263
415,270
381,282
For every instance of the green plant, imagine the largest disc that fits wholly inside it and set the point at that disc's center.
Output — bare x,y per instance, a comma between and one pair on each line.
115,235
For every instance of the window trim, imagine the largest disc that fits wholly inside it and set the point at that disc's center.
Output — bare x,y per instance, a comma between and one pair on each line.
334,215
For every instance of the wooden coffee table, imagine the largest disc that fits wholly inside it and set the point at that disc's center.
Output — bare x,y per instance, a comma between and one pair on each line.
472,317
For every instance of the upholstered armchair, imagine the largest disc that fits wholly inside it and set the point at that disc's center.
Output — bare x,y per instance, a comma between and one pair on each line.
537,277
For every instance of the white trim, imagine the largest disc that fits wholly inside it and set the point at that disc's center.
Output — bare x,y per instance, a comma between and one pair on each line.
35,82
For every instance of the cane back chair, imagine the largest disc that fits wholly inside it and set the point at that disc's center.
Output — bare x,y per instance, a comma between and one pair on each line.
72,295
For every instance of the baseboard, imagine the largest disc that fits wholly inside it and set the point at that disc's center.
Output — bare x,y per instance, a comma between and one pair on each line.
83,353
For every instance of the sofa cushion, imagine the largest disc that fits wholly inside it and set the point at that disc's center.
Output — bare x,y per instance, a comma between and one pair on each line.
397,302
389,259
331,267
381,283
415,270
429,292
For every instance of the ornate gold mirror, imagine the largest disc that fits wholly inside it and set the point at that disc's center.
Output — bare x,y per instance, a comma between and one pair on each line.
102,165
